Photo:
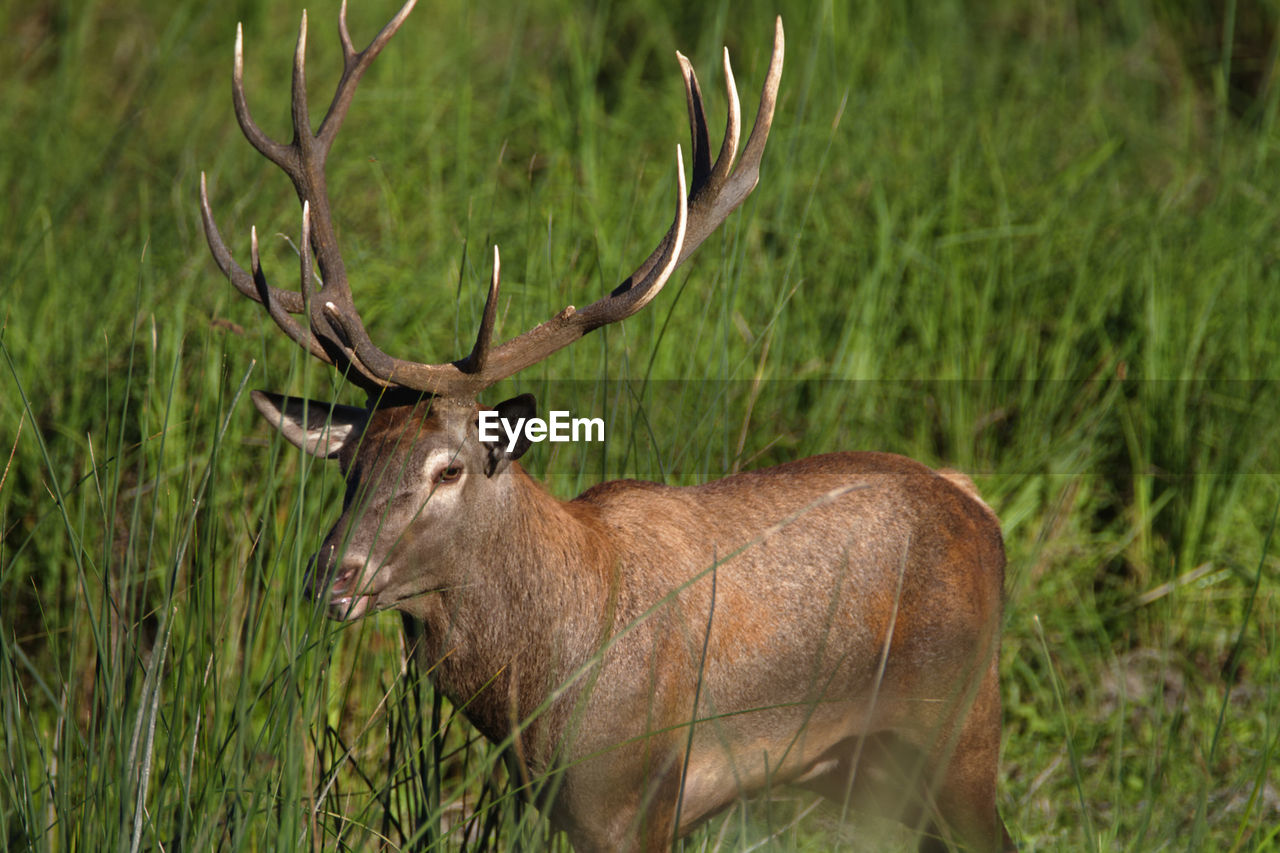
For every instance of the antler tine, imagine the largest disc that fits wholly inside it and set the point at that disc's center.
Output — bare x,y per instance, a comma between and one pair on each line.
475,362
276,152
247,284
354,65
753,152
733,126
344,34
704,174
299,112
700,148
266,294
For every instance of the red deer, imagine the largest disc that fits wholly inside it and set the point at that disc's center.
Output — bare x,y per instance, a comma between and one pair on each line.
654,652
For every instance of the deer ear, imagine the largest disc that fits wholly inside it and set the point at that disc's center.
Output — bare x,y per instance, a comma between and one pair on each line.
321,429
513,415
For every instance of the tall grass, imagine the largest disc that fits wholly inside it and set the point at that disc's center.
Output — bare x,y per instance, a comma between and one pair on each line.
1034,242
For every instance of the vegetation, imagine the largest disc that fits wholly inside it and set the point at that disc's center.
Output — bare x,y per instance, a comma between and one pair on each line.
1037,242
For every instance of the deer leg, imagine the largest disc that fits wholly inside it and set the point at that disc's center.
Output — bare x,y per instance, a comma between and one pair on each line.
963,794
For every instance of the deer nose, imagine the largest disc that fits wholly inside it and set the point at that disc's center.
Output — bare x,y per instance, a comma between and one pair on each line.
346,577
330,573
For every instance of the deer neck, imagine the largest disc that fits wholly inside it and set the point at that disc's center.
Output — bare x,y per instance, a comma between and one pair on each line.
525,625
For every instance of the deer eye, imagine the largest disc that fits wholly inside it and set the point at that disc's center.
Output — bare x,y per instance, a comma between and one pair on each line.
451,474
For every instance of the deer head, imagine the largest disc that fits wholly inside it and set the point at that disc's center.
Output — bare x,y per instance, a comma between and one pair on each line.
413,453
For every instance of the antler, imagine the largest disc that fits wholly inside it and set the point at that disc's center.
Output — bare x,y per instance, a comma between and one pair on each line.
337,334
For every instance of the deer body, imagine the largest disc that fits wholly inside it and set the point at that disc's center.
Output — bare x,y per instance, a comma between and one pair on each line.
805,610
651,653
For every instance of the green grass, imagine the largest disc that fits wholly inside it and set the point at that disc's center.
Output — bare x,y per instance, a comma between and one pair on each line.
1034,242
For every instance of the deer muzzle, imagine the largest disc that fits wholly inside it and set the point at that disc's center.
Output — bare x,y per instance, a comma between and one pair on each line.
339,584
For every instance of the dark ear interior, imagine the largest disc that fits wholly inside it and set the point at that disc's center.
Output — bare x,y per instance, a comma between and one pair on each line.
319,428
517,410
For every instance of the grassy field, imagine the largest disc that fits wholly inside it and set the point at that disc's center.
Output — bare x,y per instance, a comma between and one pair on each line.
1034,241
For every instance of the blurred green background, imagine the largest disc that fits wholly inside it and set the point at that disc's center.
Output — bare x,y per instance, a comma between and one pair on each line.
1035,241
